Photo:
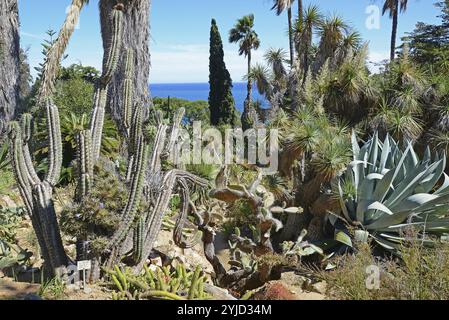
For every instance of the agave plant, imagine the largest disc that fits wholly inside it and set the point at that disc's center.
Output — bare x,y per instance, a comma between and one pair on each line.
388,192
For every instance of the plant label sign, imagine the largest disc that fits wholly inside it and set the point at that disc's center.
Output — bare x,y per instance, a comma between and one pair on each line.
84,265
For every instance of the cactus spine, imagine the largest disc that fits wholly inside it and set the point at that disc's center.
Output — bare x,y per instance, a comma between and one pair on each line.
55,143
85,163
116,45
128,92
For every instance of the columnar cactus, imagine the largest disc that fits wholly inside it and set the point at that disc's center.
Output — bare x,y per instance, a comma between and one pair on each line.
37,193
116,45
128,92
85,163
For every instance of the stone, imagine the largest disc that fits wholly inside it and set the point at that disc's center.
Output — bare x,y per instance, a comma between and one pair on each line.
320,287
297,282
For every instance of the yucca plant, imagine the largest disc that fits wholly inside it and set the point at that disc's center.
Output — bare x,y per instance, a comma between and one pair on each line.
388,193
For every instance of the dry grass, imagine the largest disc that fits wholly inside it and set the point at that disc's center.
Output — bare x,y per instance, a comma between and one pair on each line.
422,274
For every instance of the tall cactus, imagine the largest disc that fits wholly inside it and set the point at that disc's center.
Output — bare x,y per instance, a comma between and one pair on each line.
115,46
109,68
37,193
85,164
128,92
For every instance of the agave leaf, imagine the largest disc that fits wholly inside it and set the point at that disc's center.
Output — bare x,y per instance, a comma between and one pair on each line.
413,202
388,245
445,186
386,151
428,183
384,186
407,186
342,202
355,145
388,220
373,153
374,176
427,155
342,237
380,207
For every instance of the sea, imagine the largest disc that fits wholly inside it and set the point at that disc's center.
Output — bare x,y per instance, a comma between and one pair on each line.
200,91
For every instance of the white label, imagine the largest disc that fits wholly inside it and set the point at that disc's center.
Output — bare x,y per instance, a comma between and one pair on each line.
84,265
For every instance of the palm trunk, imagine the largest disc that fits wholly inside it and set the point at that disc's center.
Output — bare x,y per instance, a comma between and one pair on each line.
136,36
290,37
250,82
248,115
394,32
9,62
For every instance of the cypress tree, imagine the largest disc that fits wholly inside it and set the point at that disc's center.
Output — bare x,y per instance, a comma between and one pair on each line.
221,101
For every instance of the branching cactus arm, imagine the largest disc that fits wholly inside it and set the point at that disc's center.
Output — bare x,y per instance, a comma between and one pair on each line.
54,144
128,92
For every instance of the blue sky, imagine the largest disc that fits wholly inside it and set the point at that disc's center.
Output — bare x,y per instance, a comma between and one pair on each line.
180,31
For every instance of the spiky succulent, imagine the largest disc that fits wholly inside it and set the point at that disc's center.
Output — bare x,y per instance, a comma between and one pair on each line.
394,192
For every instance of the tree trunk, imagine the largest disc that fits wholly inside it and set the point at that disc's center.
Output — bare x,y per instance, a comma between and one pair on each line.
290,37
136,35
250,82
248,114
9,61
394,32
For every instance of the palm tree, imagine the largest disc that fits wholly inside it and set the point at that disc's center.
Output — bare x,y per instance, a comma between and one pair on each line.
243,33
393,7
280,6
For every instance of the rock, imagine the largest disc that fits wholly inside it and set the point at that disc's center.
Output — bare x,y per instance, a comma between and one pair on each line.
191,257
157,261
320,287
297,282
275,290
218,293
310,296
7,202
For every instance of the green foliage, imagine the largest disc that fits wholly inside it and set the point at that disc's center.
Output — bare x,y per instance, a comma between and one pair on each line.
53,289
429,43
164,283
244,34
194,110
11,254
221,102
74,95
10,219
394,191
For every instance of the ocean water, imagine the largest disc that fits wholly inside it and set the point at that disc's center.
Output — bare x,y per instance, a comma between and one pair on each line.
200,91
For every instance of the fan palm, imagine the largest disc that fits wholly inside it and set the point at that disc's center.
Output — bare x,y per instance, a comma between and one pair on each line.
244,34
280,6
393,6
